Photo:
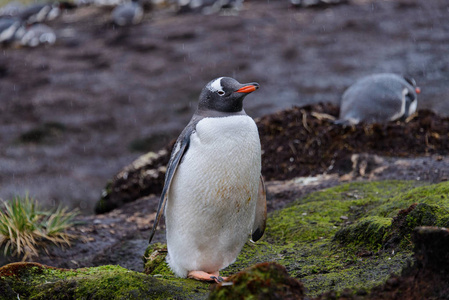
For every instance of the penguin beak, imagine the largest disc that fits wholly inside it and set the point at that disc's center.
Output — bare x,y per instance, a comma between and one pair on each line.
249,88
417,90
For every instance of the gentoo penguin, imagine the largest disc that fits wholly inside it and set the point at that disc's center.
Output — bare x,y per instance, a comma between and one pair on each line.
214,193
208,7
40,12
316,3
38,34
12,9
9,27
129,13
379,98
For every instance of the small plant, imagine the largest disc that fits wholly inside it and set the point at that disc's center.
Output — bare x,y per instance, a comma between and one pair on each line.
24,227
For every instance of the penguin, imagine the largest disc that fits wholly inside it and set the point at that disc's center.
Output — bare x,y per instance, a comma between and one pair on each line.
208,7
129,13
316,3
379,98
40,12
9,27
214,194
12,9
107,3
38,34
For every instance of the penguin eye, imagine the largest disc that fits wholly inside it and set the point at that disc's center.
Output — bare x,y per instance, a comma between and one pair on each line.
221,93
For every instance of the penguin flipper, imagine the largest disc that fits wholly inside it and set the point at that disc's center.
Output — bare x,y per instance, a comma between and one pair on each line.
179,149
260,219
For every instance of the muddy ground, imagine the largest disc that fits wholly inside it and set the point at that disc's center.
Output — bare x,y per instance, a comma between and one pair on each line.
306,141
74,114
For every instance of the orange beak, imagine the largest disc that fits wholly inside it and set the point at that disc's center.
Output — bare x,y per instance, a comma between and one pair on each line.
247,89
417,90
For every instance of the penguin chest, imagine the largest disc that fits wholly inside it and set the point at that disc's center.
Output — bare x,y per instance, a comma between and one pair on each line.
214,190
224,156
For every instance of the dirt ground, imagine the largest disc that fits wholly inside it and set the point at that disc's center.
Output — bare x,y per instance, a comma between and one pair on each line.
74,114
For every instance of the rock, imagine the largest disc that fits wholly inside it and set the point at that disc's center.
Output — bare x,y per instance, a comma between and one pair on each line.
432,250
261,281
36,281
154,258
141,178
428,277
368,232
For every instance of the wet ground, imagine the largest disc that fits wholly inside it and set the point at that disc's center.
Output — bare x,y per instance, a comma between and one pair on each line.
121,236
74,114
306,141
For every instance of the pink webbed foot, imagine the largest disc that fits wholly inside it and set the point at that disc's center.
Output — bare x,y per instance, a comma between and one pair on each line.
204,276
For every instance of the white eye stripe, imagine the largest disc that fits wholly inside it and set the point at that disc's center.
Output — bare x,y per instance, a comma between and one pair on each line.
215,86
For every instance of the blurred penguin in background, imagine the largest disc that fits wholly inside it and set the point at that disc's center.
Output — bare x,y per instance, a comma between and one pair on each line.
208,7
126,14
38,34
379,98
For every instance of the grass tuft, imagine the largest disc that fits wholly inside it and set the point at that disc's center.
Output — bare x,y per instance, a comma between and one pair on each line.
24,227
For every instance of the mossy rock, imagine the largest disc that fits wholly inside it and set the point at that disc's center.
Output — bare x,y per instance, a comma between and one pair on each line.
303,237
35,281
154,260
261,281
369,232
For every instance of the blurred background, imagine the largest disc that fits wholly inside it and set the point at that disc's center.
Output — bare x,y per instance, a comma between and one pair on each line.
79,105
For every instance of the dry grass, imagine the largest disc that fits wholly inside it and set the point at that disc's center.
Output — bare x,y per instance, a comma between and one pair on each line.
25,228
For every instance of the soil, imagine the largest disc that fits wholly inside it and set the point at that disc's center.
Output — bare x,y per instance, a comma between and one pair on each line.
307,142
75,113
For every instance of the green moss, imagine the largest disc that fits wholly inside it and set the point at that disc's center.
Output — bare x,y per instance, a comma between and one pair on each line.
154,261
435,194
105,282
426,215
262,281
330,240
319,214
368,232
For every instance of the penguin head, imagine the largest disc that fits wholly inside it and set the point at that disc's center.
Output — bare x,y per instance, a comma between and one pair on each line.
225,94
411,96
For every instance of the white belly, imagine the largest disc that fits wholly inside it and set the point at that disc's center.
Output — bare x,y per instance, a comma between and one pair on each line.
211,202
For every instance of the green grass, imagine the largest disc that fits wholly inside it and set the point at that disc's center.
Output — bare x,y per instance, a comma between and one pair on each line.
25,2
24,227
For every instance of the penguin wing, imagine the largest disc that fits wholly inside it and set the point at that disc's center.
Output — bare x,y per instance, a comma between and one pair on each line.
179,149
260,219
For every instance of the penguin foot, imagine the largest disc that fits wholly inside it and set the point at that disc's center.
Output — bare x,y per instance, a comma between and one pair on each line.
217,279
204,276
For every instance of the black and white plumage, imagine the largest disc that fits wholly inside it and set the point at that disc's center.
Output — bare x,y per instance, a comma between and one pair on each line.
129,13
379,98
9,29
40,12
208,7
38,34
214,193
11,9
316,3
